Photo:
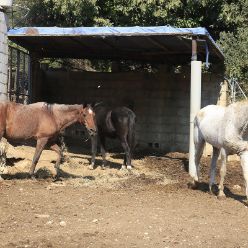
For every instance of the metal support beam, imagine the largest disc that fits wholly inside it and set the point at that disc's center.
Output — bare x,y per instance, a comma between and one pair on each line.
195,104
158,44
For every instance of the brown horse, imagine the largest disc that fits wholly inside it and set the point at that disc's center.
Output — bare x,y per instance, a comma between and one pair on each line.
42,122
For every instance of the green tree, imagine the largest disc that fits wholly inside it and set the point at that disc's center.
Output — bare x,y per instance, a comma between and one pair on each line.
233,40
226,20
235,48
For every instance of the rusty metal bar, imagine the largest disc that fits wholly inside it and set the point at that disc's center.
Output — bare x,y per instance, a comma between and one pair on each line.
29,80
17,75
10,80
194,49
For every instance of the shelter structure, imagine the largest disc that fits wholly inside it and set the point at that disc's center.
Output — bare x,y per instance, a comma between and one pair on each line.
164,101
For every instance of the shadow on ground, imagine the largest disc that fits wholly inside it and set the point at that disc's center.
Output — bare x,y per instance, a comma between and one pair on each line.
204,187
41,173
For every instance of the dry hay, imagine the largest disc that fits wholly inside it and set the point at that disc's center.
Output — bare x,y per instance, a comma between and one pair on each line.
75,169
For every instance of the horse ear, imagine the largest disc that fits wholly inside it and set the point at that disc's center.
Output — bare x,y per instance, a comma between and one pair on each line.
97,103
85,104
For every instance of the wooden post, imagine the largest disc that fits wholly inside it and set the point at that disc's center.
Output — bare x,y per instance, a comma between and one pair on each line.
223,97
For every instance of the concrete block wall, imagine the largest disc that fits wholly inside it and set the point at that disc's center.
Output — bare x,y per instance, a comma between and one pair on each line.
3,56
160,100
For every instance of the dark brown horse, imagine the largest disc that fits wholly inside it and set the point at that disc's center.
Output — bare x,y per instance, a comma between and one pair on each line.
117,123
42,122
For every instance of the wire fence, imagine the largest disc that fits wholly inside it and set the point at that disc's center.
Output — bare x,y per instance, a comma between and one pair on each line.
236,92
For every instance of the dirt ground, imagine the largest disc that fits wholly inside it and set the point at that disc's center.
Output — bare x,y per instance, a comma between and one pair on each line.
150,206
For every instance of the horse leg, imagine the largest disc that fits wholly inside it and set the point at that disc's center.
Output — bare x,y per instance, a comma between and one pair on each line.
221,193
103,150
199,146
131,138
127,158
215,156
57,149
39,148
2,156
244,164
93,151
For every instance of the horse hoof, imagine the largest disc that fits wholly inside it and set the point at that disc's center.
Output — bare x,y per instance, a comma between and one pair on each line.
129,167
193,185
221,197
32,177
91,167
245,203
123,167
211,192
57,177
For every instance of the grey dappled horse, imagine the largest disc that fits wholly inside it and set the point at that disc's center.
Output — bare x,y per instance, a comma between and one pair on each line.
225,128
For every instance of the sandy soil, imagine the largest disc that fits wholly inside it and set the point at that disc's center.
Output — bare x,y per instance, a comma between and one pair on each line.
148,207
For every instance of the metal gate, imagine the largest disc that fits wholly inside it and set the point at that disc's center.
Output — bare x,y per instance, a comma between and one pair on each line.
19,76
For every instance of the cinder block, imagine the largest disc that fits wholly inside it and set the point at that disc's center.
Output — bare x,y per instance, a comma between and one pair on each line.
161,102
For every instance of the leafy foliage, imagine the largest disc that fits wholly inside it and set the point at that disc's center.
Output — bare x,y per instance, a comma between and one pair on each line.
226,20
235,48
233,40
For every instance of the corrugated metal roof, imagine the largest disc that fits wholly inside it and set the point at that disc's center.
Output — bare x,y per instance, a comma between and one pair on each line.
161,43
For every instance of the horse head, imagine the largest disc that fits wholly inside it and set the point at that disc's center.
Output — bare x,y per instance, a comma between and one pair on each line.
87,118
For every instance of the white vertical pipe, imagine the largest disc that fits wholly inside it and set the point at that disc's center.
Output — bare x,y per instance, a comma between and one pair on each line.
3,55
3,71
195,105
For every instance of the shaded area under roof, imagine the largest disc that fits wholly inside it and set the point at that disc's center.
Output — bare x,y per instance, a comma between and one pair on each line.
161,43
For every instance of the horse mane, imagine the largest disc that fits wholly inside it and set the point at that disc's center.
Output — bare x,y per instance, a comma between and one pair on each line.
242,102
63,107
66,107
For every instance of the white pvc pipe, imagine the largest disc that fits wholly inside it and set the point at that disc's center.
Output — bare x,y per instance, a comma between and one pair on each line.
4,56
195,105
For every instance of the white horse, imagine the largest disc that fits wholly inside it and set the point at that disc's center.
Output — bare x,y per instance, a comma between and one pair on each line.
225,128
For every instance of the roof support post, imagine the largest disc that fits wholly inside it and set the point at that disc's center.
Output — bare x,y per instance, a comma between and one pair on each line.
4,55
195,104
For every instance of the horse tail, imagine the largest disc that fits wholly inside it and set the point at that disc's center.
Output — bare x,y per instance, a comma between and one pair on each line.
196,131
131,139
3,154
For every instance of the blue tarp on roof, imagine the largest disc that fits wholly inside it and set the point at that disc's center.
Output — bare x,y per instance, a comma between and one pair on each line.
165,30
148,41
